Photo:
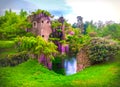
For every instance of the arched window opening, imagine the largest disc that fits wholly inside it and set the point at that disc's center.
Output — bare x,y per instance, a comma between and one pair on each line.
48,21
34,24
42,35
42,21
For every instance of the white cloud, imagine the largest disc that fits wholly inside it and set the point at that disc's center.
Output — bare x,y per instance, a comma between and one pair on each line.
71,18
95,9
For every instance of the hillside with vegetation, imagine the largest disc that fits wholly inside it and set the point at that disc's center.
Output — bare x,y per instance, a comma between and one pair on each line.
20,49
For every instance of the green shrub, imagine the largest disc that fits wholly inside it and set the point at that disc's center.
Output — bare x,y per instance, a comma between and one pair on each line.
101,49
14,59
58,64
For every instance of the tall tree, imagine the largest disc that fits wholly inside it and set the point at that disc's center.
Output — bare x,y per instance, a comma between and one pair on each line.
80,23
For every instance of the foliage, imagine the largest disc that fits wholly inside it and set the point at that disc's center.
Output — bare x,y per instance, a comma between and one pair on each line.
77,41
36,46
90,29
14,59
100,49
56,24
57,64
112,30
39,11
12,24
67,25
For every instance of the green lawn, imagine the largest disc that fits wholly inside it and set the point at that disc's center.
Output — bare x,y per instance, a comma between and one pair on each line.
32,74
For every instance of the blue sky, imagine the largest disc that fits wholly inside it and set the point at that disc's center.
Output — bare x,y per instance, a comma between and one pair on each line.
89,9
56,7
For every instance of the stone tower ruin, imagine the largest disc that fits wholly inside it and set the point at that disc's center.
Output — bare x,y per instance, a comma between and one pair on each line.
41,25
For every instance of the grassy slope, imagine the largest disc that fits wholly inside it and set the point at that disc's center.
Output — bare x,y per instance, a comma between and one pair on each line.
32,74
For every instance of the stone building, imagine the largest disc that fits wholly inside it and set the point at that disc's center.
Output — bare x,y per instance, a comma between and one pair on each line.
41,25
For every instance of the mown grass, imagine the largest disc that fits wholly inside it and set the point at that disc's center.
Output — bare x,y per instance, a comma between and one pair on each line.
32,74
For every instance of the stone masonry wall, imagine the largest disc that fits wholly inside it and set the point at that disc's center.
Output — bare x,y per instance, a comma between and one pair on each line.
82,60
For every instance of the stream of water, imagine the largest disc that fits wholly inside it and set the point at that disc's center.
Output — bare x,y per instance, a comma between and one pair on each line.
70,66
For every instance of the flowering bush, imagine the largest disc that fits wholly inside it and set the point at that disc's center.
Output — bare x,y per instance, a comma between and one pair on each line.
101,49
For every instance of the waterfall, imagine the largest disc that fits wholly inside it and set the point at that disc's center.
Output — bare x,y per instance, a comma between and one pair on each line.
70,66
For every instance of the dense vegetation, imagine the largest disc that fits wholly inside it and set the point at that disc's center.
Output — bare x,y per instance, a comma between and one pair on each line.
101,50
12,24
17,46
36,46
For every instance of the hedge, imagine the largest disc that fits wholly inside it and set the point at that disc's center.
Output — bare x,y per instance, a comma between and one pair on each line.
14,59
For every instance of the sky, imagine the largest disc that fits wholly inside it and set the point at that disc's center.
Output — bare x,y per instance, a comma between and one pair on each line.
95,10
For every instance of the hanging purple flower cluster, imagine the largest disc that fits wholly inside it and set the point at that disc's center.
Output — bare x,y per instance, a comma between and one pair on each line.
59,46
49,64
63,48
67,48
45,61
41,59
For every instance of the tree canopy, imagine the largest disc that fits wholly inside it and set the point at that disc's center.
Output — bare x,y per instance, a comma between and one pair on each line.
12,24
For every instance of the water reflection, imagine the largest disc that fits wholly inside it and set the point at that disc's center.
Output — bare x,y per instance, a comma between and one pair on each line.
70,66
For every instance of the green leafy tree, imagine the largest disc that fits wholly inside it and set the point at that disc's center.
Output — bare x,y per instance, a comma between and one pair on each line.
112,30
12,24
90,28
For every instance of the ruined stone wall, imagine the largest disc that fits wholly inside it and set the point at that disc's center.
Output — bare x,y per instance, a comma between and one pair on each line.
44,28
40,26
82,60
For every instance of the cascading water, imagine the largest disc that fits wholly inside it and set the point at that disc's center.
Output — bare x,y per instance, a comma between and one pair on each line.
70,66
